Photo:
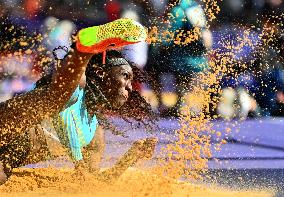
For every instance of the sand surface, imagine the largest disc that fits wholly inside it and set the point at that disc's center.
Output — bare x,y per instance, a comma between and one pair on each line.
64,182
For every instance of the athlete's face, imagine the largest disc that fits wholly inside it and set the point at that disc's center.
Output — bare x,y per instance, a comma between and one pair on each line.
118,85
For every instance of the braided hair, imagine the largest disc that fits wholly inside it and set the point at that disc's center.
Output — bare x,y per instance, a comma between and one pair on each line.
135,110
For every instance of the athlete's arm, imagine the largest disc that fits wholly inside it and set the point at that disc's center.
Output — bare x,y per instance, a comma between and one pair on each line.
22,112
93,153
139,150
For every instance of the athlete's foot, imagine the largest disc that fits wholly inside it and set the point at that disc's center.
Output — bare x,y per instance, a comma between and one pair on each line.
3,176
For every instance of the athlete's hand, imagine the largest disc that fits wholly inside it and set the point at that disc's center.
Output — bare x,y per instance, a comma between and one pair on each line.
145,148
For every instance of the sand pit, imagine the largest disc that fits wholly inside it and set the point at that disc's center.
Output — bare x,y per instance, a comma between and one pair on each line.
64,182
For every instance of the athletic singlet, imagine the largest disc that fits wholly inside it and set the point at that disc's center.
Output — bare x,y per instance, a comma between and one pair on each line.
74,126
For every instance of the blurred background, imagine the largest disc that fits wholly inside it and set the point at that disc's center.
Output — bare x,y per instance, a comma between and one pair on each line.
247,33
253,90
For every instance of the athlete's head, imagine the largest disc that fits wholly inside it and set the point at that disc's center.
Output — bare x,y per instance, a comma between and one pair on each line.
113,79
108,86
108,90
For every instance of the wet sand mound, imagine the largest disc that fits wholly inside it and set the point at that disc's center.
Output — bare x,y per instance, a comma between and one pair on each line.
65,182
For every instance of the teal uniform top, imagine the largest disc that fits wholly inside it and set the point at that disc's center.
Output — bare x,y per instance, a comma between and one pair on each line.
76,127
